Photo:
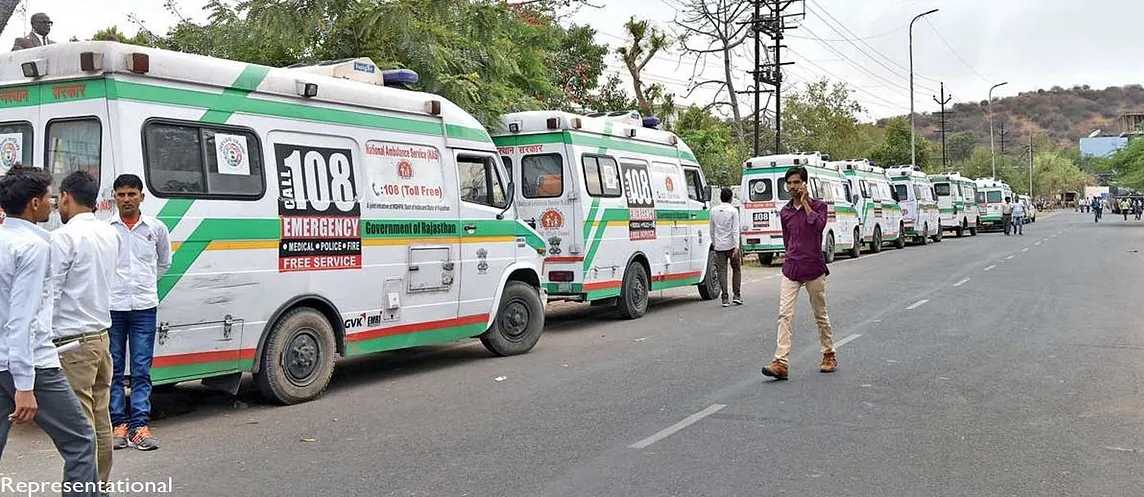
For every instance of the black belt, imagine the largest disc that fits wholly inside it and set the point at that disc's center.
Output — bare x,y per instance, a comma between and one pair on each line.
81,338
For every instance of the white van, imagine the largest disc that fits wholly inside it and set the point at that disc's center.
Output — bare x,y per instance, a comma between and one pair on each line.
919,202
957,202
991,195
879,213
764,191
314,213
623,206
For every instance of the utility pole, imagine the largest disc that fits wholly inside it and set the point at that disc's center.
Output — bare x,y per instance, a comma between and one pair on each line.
1030,164
770,73
944,100
1002,134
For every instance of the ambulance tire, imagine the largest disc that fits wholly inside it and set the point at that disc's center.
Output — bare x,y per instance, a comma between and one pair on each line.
632,303
901,243
876,245
856,249
960,231
766,259
709,287
925,238
937,236
298,358
518,323
973,230
829,254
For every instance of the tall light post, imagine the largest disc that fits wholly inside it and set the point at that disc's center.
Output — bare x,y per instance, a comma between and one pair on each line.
991,154
913,150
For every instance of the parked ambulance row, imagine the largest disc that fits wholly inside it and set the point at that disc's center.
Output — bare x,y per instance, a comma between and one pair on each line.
869,207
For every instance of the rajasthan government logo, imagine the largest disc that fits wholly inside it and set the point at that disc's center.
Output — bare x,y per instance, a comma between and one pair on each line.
233,153
405,169
552,219
669,184
9,153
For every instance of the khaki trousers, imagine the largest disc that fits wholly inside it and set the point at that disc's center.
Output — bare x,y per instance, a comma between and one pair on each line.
788,294
88,369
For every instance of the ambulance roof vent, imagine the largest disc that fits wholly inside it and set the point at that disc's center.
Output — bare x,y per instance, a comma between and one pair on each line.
361,69
625,116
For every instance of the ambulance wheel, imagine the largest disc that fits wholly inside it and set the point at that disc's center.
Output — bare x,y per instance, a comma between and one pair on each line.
632,303
925,239
937,236
518,323
876,245
960,231
901,243
709,287
973,230
766,259
829,247
298,358
856,250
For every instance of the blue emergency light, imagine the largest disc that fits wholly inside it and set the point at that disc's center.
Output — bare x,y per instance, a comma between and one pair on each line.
651,122
399,77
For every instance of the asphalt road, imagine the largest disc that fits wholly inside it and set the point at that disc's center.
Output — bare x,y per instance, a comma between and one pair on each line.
988,365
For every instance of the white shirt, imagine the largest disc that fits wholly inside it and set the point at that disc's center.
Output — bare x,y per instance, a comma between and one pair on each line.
144,255
1018,209
85,253
725,227
25,305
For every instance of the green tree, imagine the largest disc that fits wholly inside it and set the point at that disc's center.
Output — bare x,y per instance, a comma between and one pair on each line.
959,146
1129,165
895,148
611,96
7,7
646,41
824,117
714,143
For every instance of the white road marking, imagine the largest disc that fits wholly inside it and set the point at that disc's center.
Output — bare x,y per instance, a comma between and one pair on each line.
962,282
1037,243
990,267
1010,257
847,340
1026,249
917,304
671,430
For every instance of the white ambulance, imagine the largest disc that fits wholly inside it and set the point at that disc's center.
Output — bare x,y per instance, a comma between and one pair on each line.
991,195
920,216
314,212
879,213
764,193
957,201
622,206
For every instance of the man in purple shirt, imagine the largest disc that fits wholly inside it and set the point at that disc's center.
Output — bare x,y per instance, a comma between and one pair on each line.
803,220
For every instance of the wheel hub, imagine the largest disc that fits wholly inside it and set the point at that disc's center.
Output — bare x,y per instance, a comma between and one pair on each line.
515,319
301,357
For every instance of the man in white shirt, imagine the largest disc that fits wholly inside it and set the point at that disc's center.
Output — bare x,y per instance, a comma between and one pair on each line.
725,238
32,387
144,255
85,252
1018,214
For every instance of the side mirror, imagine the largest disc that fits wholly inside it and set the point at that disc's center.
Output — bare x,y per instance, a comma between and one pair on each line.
894,195
705,194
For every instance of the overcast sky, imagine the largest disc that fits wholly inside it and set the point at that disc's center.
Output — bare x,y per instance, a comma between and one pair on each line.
968,44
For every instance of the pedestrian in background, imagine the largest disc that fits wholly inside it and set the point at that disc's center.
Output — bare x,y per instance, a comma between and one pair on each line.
144,255
85,252
32,386
803,220
1124,206
1018,214
1138,208
1007,215
1096,207
725,230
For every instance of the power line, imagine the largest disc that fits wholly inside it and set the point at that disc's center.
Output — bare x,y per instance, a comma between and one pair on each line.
955,54
881,35
855,64
819,10
831,75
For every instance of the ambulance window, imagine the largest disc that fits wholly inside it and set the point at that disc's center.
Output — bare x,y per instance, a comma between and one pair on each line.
994,196
73,145
980,197
903,192
602,176
15,145
942,189
784,192
761,190
814,188
507,165
193,160
542,175
480,181
846,192
694,185
864,188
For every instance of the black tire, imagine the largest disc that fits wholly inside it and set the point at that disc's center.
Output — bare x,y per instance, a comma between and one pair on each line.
856,250
829,247
937,236
973,230
960,230
709,287
767,259
298,358
632,303
925,238
901,243
876,245
518,323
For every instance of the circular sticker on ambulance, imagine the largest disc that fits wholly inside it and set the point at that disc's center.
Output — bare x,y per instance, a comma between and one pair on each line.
10,152
668,183
552,219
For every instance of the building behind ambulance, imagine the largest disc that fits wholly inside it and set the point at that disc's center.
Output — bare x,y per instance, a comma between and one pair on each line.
316,212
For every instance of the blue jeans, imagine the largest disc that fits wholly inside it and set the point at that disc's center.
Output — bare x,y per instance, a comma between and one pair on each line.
134,330
1019,225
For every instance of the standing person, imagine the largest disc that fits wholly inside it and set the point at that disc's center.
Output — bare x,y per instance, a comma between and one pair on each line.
144,255
725,229
803,220
32,386
1095,206
1007,215
85,252
1018,217
1124,208
1138,209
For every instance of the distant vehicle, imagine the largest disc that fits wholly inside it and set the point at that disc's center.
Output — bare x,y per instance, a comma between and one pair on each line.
1030,209
918,200
879,213
765,193
991,196
957,202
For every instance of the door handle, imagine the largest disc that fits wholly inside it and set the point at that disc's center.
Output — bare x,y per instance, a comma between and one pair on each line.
470,227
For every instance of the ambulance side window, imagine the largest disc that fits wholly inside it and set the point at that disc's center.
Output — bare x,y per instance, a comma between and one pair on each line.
507,165
542,175
784,192
480,181
191,160
760,190
847,194
601,176
694,185
862,187
15,145
73,145
903,192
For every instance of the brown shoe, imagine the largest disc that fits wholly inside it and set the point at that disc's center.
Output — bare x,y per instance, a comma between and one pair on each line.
829,363
776,370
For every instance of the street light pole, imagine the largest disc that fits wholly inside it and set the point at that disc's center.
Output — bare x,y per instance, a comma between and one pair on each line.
913,149
991,154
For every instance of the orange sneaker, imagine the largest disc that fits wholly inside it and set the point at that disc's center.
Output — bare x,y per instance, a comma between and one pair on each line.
141,438
120,434
829,363
776,370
